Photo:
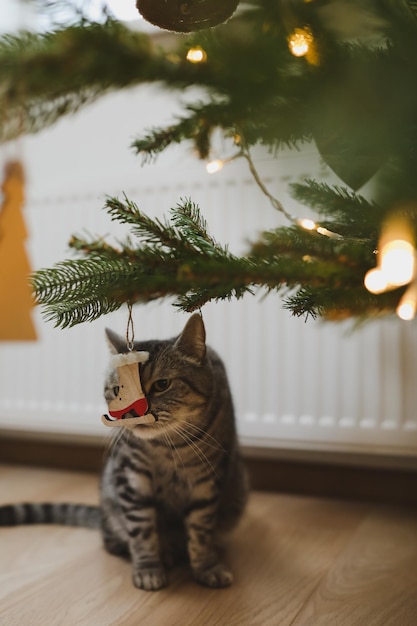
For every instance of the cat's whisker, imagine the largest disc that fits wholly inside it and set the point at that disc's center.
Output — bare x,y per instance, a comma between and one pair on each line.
193,443
194,447
216,445
173,449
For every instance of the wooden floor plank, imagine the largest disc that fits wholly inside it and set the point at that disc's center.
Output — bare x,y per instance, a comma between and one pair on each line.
374,581
296,560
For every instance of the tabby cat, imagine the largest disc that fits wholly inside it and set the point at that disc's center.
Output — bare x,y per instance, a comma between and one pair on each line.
168,489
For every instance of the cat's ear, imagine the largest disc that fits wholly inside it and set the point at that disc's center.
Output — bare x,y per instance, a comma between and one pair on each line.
192,341
116,342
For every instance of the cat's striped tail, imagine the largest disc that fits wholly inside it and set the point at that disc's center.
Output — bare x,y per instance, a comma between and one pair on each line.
50,513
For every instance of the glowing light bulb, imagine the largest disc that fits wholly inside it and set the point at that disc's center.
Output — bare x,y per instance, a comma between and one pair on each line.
328,233
376,281
398,262
214,166
406,309
196,55
307,224
299,41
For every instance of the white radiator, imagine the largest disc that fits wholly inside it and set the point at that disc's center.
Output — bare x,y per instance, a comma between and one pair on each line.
296,385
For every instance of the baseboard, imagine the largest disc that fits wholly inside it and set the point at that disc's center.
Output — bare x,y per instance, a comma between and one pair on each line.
285,475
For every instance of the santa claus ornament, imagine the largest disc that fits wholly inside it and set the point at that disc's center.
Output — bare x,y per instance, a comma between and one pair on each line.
129,407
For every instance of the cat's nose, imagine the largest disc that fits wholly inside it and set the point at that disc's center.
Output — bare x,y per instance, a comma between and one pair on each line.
150,412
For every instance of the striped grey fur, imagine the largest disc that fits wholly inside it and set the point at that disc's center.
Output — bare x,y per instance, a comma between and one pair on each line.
169,489
50,513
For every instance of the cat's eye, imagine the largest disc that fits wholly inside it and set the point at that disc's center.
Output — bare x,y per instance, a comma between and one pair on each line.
161,385
116,390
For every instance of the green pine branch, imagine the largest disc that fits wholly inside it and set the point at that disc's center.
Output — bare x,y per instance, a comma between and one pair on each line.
250,77
181,259
349,212
197,126
46,76
338,302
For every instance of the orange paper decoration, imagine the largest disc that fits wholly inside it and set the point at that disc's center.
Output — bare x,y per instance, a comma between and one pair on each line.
16,301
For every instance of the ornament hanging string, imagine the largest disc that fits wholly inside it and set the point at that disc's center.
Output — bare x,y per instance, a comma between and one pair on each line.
130,330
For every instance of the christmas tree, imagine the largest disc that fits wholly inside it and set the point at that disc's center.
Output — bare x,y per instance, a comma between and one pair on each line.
277,74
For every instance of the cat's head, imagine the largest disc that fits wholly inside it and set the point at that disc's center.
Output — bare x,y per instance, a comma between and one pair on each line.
176,379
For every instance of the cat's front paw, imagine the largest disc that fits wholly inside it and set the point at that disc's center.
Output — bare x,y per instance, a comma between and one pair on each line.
214,576
150,579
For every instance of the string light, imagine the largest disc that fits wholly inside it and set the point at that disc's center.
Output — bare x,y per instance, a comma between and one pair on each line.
299,41
396,265
328,233
406,309
214,166
376,281
307,224
398,262
196,55
397,250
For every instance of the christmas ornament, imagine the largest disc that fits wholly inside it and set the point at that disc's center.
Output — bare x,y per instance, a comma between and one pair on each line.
351,130
186,15
358,113
16,300
130,407
353,169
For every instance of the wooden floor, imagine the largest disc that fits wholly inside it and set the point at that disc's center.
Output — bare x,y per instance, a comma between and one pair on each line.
296,560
